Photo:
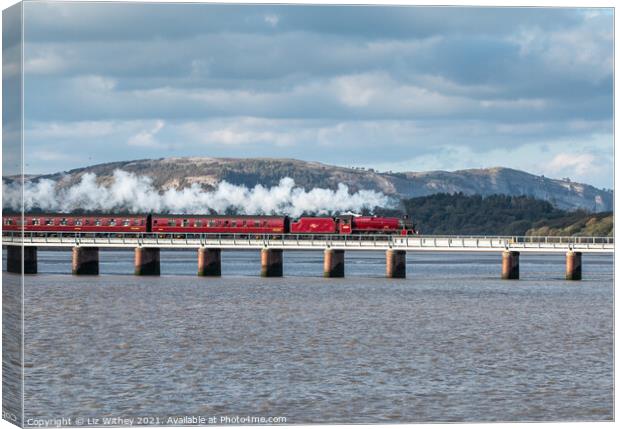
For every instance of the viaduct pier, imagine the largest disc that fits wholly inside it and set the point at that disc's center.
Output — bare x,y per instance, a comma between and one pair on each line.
22,250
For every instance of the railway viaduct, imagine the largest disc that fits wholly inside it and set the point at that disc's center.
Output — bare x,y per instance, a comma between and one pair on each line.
22,250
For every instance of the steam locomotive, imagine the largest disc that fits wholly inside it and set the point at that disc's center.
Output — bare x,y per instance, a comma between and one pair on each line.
202,224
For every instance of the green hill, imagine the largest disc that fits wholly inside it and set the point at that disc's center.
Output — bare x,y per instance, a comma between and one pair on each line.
578,223
499,215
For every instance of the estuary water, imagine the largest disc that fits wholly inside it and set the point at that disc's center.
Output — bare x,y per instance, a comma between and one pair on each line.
451,342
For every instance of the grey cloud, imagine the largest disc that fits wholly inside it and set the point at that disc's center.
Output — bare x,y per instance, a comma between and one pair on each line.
126,21
363,96
472,78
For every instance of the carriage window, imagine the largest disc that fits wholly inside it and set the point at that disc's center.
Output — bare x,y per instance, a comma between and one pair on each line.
138,222
185,222
112,222
63,221
211,223
256,223
78,222
198,223
36,222
225,223
126,222
233,223
49,222
86,222
8,221
97,222
172,222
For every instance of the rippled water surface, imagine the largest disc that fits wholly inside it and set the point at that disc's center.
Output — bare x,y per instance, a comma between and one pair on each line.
449,343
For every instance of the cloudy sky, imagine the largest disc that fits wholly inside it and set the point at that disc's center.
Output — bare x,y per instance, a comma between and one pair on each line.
400,89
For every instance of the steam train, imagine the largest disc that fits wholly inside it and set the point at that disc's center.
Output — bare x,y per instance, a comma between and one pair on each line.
202,224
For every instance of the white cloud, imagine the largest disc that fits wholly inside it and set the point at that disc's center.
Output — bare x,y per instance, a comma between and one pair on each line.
45,62
146,138
567,163
519,103
444,85
94,83
272,19
357,91
580,51
69,130
50,155
380,92
242,131
233,136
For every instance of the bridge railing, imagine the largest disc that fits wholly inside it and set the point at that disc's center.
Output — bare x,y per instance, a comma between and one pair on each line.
349,239
562,239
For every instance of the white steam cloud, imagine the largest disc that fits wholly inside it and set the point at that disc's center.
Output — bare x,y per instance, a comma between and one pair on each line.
137,194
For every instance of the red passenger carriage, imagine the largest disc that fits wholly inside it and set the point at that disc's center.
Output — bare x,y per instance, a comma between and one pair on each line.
77,223
219,224
206,224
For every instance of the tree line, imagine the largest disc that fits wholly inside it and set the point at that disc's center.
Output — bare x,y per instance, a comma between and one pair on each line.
498,215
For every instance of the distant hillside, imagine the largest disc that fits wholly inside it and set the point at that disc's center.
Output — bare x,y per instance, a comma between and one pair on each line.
182,172
499,215
577,223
